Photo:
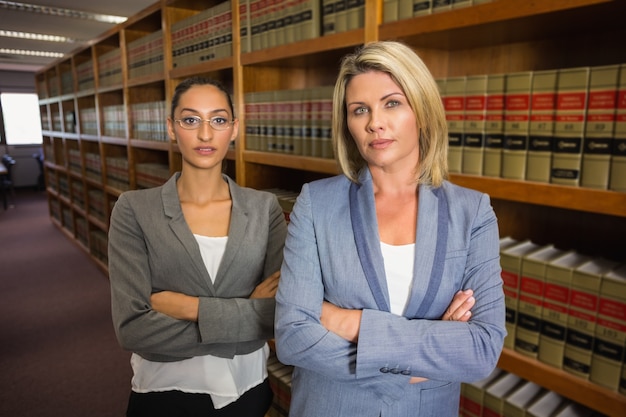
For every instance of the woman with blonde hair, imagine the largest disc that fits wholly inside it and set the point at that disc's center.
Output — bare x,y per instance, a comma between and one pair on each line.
374,257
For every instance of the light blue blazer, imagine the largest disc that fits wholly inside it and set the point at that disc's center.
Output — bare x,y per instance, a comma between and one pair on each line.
457,248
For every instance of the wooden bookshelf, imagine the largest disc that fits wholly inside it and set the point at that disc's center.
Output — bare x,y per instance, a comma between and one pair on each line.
501,36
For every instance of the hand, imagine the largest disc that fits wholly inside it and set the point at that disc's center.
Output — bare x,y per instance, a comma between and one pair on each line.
267,288
341,321
460,307
176,305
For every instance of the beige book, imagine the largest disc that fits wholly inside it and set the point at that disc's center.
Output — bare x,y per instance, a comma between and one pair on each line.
547,405
541,128
608,352
555,307
569,128
460,3
516,125
599,127
421,7
582,315
474,124
531,292
454,103
473,394
405,9
355,13
341,16
441,5
390,11
617,179
494,125
328,17
516,404
575,410
496,394
511,263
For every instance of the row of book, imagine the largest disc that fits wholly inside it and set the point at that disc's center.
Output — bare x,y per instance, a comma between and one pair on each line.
145,55
503,394
566,309
85,76
394,10
286,199
296,122
203,37
563,126
148,121
110,68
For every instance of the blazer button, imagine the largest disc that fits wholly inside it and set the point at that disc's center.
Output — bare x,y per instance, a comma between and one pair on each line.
384,369
406,372
395,371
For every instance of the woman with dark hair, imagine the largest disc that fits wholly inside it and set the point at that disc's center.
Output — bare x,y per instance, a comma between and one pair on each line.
194,267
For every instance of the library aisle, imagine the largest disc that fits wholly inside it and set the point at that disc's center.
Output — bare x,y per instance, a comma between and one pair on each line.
58,352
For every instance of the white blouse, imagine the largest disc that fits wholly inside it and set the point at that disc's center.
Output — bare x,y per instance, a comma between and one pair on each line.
224,379
398,261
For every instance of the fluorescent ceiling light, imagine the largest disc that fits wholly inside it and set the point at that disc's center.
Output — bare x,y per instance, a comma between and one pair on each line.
31,53
57,11
35,36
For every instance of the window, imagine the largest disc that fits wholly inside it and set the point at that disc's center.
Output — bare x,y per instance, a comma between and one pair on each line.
22,121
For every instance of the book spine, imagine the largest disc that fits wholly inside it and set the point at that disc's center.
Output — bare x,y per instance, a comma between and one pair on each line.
617,180
541,127
570,126
494,125
474,125
599,127
454,103
516,124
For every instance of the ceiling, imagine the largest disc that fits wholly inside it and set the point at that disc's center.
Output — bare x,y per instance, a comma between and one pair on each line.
53,17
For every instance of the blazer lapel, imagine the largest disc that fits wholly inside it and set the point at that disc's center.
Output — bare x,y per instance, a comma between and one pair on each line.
364,226
430,250
172,209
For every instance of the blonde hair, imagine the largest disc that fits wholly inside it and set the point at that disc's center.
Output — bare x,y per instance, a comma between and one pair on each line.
410,73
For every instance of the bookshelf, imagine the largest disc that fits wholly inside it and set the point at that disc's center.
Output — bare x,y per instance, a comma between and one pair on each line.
91,107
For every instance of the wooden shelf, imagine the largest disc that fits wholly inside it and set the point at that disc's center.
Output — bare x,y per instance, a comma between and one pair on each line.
572,198
594,396
321,165
502,22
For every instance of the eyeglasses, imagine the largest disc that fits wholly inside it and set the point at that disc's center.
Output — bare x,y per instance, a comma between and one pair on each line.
194,122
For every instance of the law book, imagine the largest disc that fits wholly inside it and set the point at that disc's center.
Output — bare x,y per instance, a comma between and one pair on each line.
516,124
494,125
496,394
474,124
599,126
582,315
608,352
511,263
405,9
541,128
441,5
473,394
421,7
555,307
516,404
454,103
455,4
530,308
617,180
572,93
546,405
244,26
390,11
328,17
575,410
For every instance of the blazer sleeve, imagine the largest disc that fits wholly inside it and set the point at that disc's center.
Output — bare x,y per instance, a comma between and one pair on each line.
301,340
446,350
139,328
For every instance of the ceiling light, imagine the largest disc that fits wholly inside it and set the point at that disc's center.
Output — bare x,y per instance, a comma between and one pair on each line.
57,11
35,36
31,53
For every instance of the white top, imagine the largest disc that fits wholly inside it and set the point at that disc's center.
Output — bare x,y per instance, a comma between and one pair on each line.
399,270
224,379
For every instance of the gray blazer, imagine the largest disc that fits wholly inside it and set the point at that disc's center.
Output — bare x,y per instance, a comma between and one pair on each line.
457,248
151,248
